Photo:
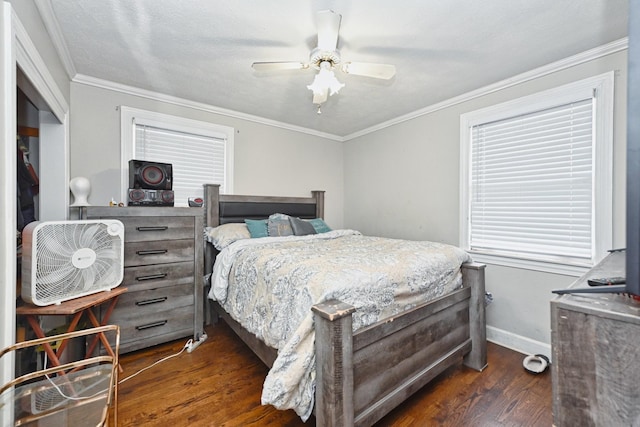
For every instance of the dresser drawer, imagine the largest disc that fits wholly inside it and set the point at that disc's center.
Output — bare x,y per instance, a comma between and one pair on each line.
156,328
147,228
158,276
140,306
158,252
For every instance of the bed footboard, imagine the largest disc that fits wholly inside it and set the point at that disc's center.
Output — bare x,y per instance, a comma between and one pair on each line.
362,376
334,364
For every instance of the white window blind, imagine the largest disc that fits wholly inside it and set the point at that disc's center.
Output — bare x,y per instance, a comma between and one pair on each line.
532,183
196,159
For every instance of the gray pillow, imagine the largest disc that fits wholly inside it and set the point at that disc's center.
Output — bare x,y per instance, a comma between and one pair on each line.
279,225
301,227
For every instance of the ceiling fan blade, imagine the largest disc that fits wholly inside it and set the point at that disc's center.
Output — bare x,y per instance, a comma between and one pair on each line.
277,66
328,23
378,71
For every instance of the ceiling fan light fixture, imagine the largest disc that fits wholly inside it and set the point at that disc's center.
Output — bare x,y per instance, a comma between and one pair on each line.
325,81
326,58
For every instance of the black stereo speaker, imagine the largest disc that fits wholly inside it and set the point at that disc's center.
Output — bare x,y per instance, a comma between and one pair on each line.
150,175
146,197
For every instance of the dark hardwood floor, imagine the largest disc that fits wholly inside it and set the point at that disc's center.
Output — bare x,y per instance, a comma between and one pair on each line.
219,384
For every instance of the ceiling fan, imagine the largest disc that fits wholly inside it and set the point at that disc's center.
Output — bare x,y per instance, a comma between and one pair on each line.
326,58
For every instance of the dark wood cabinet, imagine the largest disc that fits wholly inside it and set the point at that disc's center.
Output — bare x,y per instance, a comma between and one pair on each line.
163,272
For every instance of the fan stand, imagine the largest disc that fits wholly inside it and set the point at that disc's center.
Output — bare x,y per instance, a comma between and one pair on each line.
76,308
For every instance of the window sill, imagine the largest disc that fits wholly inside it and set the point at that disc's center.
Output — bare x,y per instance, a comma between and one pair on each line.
528,264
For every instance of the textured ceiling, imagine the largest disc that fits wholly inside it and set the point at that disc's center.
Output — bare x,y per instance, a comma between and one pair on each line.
203,50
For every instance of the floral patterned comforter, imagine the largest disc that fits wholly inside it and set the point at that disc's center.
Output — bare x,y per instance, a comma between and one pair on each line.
269,285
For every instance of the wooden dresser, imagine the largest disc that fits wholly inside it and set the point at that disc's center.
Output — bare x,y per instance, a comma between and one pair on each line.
595,341
163,272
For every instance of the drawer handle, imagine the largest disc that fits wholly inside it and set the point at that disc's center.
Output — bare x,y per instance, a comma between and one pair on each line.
152,252
153,228
151,325
152,277
151,301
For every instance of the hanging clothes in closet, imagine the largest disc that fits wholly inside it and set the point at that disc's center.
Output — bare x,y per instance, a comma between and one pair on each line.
27,187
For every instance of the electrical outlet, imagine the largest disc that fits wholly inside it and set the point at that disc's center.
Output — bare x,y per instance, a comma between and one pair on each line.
194,344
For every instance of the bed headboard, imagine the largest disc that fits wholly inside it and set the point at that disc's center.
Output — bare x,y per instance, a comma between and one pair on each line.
225,208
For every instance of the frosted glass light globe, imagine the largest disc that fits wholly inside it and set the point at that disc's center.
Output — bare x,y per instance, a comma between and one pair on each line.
80,188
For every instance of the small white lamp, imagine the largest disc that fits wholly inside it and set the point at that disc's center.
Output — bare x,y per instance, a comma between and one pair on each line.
80,188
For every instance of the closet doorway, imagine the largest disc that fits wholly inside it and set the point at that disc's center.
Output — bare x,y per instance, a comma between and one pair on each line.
48,149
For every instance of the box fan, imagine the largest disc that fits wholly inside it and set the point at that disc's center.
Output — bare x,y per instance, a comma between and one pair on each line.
62,260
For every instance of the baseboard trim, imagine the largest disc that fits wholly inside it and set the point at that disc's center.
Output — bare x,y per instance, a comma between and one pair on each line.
517,343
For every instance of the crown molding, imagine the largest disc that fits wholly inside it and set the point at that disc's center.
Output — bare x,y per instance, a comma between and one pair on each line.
55,33
572,61
143,93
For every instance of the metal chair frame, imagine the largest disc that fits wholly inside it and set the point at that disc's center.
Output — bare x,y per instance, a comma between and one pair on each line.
73,371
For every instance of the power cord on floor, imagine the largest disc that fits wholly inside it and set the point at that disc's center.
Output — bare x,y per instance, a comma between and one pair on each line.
66,382
190,345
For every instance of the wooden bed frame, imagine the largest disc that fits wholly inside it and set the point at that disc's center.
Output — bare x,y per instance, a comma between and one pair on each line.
362,376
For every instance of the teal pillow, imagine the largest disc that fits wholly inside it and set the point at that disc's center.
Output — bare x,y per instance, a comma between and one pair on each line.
319,225
257,227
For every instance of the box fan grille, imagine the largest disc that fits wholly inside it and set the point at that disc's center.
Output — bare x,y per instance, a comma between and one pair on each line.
63,260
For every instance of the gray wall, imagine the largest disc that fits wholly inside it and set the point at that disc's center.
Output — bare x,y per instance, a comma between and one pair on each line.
403,181
267,161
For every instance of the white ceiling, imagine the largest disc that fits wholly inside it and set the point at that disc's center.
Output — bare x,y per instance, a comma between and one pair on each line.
202,50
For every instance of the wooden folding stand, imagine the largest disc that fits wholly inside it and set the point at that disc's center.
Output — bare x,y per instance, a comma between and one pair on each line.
75,307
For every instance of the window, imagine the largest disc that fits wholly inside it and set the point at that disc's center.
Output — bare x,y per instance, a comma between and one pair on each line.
199,152
536,179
